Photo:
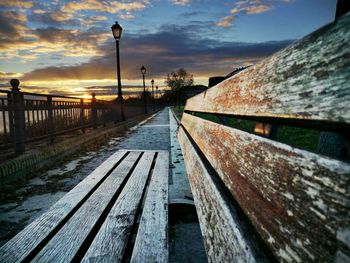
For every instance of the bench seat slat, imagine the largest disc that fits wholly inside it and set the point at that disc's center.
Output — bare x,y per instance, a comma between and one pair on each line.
223,233
19,247
110,243
65,244
151,243
306,81
290,195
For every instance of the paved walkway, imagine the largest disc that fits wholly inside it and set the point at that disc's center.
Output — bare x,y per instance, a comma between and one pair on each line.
155,133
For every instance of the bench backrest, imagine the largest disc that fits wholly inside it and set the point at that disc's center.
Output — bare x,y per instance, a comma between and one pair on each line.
298,202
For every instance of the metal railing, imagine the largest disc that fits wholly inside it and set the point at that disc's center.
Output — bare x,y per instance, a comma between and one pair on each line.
30,116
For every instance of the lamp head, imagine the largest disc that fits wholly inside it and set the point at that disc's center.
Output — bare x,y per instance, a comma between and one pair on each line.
143,70
117,31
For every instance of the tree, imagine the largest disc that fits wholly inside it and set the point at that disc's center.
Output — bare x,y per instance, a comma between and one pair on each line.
176,80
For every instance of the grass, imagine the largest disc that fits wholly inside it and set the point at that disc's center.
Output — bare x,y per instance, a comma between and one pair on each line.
306,139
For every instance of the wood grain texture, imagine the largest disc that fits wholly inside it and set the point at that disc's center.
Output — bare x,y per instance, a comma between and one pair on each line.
19,247
110,243
224,236
66,243
298,201
151,243
307,80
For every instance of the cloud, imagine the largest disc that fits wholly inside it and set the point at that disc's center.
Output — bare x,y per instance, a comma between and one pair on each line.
181,2
19,41
12,24
250,7
6,76
14,33
39,11
16,3
127,16
72,11
162,52
103,6
192,14
225,21
60,16
70,42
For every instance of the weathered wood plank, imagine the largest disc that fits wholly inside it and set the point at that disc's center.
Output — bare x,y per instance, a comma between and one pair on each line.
110,243
307,80
224,237
65,244
19,247
297,200
151,243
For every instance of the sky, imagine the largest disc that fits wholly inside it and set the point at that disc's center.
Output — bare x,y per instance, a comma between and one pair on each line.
67,47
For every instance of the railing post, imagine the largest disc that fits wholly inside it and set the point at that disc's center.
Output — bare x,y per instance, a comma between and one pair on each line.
19,117
10,113
104,114
50,118
82,121
94,111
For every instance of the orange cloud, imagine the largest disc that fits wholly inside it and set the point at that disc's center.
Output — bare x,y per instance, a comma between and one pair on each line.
225,21
258,9
250,7
17,40
16,3
6,76
105,6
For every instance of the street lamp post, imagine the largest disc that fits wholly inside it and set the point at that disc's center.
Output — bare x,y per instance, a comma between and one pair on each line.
143,71
152,82
117,33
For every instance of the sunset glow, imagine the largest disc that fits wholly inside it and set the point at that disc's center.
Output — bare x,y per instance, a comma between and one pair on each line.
67,47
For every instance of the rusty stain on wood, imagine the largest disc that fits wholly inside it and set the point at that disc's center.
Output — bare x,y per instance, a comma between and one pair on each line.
307,80
298,201
224,236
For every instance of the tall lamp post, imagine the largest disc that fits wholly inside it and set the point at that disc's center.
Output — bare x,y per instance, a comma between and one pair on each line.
152,82
143,72
117,33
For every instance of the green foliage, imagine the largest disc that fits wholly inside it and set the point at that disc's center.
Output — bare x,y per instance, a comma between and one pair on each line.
296,137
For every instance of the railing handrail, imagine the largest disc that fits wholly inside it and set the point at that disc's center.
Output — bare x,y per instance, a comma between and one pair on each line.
52,95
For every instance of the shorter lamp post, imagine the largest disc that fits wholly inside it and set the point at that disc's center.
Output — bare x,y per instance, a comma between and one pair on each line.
152,82
117,33
143,72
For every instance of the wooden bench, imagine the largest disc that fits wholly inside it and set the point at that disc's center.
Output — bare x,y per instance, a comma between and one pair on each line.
261,200
96,221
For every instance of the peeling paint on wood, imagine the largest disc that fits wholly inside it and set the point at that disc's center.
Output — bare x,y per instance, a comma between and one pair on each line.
307,80
94,221
298,201
110,242
66,243
224,236
19,247
151,244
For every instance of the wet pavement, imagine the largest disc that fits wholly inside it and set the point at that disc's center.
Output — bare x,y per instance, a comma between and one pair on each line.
155,133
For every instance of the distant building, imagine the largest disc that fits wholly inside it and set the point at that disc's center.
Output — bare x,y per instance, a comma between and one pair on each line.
216,80
187,92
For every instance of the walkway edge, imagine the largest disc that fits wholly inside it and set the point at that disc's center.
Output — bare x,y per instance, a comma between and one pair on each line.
31,161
